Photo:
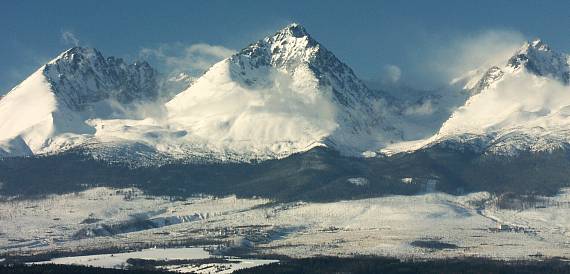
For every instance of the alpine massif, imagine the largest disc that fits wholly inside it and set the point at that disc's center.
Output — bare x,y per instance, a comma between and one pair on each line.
281,95
285,117
519,106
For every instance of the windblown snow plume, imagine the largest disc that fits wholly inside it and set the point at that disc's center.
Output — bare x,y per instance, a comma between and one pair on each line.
519,104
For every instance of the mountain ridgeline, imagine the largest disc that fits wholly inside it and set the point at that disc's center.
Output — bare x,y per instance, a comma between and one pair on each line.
82,76
284,118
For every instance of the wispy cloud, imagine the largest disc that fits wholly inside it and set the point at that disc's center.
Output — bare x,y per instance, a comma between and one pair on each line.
467,52
391,74
422,108
179,57
69,38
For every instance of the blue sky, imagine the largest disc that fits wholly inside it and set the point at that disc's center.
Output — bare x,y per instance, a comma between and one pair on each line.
420,40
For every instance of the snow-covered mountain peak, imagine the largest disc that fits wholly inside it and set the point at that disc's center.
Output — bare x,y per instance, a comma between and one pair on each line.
535,57
285,50
517,106
294,51
78,55
537,44
50,109
82,76
293,30
535,71
490,77
280,95
538,58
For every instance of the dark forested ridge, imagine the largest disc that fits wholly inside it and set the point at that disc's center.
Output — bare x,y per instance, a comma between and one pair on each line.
375,265
68,269
317,175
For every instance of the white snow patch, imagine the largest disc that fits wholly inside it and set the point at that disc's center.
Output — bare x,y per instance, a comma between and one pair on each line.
358,181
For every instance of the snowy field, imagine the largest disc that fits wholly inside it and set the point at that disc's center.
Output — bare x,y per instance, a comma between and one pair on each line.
119,260
432,225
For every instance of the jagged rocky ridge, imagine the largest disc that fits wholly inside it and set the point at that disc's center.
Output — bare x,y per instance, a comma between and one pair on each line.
82,76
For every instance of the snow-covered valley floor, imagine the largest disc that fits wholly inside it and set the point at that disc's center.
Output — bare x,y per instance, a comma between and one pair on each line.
431,225
181,260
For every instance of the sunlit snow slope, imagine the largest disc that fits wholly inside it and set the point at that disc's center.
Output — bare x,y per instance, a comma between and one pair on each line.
523,105
49,111
283,94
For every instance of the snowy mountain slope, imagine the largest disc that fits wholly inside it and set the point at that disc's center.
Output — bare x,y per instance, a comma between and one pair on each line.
31,114
56,100
520,106
280,95
173,84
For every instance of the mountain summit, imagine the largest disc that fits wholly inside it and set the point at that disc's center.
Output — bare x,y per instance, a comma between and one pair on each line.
292,49
521,106
59,98
282,94
537,57
81,76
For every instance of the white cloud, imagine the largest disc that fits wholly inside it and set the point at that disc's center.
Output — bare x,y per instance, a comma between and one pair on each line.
475,51
392,73
178,57
423,108
284,112
69,38
521,100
